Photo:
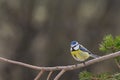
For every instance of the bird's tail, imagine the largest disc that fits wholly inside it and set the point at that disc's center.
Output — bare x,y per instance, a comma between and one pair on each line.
94,56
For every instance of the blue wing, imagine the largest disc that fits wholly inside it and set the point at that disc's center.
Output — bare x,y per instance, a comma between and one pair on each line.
82,48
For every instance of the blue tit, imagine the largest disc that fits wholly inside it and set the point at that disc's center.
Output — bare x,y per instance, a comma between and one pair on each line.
79,52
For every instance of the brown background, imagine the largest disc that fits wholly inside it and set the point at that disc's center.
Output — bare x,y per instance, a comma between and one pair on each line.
39,32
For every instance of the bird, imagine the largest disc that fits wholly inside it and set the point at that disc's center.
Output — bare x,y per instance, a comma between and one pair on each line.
80,53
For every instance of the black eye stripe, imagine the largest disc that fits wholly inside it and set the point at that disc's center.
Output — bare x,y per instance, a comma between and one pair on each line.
75,46
73,49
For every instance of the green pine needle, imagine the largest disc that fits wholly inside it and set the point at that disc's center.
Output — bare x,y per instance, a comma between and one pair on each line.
111,44
103,76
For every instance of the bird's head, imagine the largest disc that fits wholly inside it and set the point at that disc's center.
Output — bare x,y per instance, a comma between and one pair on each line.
74,45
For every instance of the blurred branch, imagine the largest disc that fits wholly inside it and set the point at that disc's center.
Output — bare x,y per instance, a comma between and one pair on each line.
39,75
117,64
60,74
62,68
50,73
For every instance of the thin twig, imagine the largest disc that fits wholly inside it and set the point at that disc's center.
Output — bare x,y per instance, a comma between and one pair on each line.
117,64
50,73
39,75
20,63
59,74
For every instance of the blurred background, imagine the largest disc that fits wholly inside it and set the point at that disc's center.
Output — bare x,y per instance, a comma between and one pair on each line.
39,32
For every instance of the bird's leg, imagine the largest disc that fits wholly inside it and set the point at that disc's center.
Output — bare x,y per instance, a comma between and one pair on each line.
84,68
84,63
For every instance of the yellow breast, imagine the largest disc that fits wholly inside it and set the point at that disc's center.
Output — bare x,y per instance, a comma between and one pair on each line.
80,55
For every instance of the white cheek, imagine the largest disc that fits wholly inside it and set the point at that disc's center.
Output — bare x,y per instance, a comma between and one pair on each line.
76,48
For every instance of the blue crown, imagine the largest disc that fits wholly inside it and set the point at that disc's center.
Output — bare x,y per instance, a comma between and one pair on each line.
73,43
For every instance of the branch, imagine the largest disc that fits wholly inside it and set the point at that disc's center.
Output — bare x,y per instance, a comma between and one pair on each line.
39,75
68,67
62,68
60,74
50,73
117,64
